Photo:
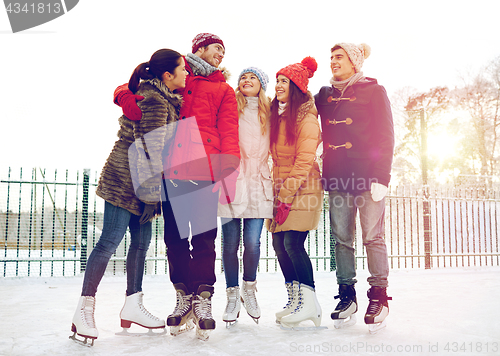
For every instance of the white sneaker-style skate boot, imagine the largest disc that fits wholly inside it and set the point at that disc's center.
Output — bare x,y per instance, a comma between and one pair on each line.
202,311
378,309
307,308
249,300
133,311
83,321
181,320
344,314
292,291
233,306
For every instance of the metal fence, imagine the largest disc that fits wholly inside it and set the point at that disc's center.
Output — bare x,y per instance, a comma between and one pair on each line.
50,222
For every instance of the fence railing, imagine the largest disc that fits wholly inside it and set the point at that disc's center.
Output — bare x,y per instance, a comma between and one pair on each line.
50,222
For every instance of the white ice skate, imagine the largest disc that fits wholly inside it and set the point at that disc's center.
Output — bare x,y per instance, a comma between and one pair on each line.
134,312
292,291
307,308
83,321
202,311
250,301
232,311
378,309
344,314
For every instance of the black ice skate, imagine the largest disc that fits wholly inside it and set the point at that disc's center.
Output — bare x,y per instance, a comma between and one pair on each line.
202,311
378,309
180,320
344,314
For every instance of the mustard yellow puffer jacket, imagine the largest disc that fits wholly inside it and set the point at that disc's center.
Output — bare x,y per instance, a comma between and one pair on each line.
296,175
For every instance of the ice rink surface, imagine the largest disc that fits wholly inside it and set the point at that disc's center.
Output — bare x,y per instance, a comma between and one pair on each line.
452,311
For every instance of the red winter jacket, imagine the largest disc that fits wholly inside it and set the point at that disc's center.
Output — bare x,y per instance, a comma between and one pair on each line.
213,103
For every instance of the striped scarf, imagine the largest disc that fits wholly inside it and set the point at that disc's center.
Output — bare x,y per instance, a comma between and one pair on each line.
199,66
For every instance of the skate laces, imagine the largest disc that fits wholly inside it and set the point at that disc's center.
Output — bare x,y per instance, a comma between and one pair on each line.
377,301
289,288
299,303
88,311
202,307
345,302
232,298
145,311
182,304
249,292
374,306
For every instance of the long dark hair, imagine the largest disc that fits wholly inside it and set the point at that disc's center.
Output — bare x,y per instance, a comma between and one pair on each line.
163,60
295,99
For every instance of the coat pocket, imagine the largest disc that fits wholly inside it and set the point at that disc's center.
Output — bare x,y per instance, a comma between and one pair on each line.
267,186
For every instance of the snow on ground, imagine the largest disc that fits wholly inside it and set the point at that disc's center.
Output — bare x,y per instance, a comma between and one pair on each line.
434,312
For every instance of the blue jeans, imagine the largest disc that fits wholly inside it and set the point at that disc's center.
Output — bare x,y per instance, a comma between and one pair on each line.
294,261
115,225
231,228
343,209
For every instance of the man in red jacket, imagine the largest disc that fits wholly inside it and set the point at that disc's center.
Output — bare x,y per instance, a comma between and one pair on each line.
203,156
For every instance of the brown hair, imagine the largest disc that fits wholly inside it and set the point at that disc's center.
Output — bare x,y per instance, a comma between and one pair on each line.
295,99
163,60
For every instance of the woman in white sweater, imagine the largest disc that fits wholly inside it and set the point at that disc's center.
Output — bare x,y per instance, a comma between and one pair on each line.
253,201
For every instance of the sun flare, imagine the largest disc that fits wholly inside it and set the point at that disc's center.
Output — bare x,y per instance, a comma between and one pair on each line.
442,145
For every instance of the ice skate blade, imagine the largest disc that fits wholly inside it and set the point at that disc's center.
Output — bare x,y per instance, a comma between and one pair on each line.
82,342
301,328
177,330
375,328
255,319
203,334
230,324
345,323
150,332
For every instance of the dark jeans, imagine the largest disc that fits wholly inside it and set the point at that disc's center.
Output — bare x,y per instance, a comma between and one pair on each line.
115,225
190,209
292,256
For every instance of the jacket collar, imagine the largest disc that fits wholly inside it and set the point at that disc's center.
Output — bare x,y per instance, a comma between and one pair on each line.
306,107
174,99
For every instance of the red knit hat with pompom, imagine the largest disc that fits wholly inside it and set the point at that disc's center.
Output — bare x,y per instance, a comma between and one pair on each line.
299,73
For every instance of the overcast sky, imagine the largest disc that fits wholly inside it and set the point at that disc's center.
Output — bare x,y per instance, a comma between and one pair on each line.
58,78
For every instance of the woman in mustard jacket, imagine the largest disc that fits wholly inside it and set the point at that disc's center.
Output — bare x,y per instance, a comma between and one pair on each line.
295,136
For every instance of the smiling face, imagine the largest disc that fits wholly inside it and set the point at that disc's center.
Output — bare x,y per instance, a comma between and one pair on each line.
249,84
212,54
282,88
176,80
341,65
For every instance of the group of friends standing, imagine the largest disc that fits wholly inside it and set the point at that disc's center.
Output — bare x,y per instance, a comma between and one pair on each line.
192,149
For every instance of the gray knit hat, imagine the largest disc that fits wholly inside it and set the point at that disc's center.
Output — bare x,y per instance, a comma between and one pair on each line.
263,78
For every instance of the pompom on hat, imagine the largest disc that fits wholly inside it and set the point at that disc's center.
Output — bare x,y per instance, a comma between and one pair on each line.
263,78
205,39
357,53
299,73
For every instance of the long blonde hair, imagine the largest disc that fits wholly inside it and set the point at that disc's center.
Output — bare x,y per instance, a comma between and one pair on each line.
264,107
